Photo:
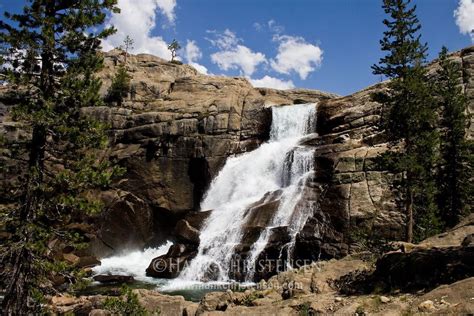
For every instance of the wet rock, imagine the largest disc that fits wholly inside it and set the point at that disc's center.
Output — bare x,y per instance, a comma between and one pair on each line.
212,273
113,278
197,219
262,212
186,233
88,262
127,223
171,264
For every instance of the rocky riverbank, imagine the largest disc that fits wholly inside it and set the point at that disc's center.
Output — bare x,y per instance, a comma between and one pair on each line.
328,286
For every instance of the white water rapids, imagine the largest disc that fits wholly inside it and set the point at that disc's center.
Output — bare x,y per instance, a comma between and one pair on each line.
279,164
133,263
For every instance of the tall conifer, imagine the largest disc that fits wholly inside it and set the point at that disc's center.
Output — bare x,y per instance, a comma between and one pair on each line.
51,52
410,115
455,175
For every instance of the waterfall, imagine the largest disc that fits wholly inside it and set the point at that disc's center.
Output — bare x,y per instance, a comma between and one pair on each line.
279,164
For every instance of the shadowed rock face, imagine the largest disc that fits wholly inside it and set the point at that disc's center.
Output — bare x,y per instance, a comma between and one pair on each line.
177,127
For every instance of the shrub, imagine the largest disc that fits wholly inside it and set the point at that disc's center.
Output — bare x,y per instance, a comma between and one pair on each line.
126,304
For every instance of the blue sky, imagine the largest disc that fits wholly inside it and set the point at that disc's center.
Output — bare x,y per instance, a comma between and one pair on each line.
319,44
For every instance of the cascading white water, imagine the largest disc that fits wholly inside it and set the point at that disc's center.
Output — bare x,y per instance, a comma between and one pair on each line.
299,168
133,263
245,179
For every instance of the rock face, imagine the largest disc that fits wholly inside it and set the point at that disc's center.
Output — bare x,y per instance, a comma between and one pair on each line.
174,133
176,128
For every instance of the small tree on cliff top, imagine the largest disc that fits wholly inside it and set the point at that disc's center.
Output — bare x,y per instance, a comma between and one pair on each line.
411,115
52,50
174,47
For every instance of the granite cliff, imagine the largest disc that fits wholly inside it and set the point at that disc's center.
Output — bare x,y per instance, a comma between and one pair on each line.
176,128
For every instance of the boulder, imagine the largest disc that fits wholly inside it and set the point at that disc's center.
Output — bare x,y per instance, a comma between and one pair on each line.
426,306
214,301
113,278
127,223
171,264
186,233
155,302
420,269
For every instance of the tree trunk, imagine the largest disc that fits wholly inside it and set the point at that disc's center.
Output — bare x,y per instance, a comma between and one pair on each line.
18,290
409,213
15,301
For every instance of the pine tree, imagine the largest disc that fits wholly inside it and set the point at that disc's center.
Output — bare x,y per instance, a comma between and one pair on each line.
174,46
128,46
410,115
52,52
455,175
120,86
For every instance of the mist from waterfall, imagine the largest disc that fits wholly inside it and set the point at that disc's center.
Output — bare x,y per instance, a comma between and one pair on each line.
279,164
133,263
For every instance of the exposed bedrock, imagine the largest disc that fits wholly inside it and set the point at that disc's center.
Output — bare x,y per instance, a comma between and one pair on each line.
175,130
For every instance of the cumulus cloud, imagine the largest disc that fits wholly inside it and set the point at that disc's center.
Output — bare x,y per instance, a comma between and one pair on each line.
464,15
296,55
271,82
234,55
138,19
167,7
192,53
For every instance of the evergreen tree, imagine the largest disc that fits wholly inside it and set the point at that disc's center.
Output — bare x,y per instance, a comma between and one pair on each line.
174,46
52,53
128,45
410,115
455,175
120,86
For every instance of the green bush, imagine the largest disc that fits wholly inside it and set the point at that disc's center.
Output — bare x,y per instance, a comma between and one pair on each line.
126,304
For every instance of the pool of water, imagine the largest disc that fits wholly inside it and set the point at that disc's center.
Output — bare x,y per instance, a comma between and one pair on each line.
191,292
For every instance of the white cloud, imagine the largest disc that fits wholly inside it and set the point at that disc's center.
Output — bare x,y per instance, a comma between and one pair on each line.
167,7
240,57
296,55
224,40
233,55
192,55
271,82
138,19
464,15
